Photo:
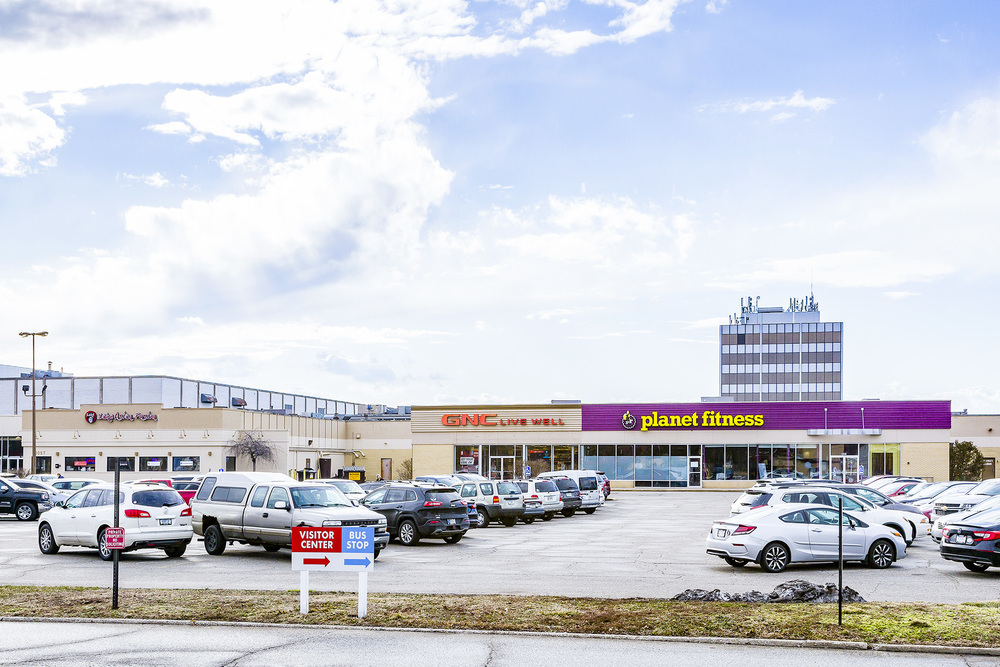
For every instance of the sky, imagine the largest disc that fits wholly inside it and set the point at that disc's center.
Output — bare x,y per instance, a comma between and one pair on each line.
514,201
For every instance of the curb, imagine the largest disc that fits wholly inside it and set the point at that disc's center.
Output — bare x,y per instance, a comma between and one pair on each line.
738,641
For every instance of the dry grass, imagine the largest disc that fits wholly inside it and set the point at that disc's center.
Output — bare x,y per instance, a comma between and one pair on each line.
973,624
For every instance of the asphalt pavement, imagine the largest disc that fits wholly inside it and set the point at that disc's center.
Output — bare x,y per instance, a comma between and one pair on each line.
640,544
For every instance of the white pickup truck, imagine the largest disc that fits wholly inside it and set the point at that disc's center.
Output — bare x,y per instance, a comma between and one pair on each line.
261,508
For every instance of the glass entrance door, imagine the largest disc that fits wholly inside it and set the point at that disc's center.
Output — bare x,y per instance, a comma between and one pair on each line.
694,472
501,467
844,468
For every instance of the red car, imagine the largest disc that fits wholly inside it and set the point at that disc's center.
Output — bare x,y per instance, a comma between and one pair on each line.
187,489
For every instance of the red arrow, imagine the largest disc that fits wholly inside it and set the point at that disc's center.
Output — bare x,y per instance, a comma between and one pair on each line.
324,561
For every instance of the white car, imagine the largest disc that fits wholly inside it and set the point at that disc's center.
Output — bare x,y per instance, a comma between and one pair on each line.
348,487
821,495
73,484
541,492
774,537
55,495
153,516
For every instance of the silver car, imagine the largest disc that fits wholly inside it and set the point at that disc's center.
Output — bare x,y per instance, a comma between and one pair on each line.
774,537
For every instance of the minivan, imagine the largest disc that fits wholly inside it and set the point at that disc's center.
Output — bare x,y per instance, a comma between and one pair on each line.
591,493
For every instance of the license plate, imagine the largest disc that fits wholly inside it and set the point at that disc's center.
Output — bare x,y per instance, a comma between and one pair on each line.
166,522
451,521
721,532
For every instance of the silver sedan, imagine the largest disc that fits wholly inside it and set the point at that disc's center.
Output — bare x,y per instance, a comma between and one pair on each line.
773,537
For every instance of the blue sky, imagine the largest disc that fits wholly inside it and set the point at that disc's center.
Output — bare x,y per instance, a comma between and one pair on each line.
428,202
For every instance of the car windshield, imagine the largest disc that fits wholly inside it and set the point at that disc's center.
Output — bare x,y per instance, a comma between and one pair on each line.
347,485
507,487
156,498
545,487
319,496
990,487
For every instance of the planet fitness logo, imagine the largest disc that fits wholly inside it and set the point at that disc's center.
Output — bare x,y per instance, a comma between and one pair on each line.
91,416
628,421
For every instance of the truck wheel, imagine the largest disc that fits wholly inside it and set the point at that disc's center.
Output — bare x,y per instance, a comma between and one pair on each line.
509,521
271,548
590,511
408,535
453,539
548,516
26,512
568,513
175,552
46,540
215,541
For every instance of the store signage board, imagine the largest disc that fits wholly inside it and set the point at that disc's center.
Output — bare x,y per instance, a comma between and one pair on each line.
333,548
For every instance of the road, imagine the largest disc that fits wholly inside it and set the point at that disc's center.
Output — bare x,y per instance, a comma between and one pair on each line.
640,544
152,644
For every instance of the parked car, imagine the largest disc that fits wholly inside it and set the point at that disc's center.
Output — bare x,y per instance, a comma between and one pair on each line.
74,484
348,487
153,516
893,480
24,503
469,476
441,480
829,496
261,508
591,495
960,503
605,484
898,487
569,494
545,494
930,491
413,512
774,537
55,495
937,530
187,489
920,522
48,479
495,500
973,541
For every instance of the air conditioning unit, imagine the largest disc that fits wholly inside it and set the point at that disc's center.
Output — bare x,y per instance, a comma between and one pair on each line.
208,398
239,403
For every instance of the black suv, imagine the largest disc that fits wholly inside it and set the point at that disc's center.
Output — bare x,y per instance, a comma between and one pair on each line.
414,511
24,503
569,493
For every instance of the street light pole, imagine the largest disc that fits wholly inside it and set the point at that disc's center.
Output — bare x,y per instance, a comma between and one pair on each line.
25,334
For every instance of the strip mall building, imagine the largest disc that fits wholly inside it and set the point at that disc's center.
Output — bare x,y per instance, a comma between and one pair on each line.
687,445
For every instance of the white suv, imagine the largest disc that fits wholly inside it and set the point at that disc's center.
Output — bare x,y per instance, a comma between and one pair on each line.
495,501
153,516
812,494
545,493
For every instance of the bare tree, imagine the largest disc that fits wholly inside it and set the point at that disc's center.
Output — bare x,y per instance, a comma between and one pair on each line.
252,445
405,469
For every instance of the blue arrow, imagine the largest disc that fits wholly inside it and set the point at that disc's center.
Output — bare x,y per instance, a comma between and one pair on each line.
357,561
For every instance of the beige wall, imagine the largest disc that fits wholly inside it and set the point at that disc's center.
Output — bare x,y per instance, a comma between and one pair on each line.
924,459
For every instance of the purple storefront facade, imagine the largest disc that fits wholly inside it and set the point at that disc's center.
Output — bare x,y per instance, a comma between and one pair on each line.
731,445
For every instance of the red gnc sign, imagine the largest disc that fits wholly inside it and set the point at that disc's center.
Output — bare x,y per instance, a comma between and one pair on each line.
469,420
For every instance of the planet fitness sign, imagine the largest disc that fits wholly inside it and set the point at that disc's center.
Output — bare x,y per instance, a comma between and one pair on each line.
94,417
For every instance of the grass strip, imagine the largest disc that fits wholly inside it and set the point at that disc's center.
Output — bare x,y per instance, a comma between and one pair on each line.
969,624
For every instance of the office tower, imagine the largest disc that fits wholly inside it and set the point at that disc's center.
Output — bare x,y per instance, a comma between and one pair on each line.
777,354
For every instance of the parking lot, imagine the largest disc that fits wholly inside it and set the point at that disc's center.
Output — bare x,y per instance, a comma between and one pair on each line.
640,544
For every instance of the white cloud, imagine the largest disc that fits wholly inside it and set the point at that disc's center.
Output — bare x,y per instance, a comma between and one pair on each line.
849,268
798,100
28,137
715,6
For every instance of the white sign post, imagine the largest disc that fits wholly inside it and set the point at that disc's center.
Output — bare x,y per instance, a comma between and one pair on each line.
348,548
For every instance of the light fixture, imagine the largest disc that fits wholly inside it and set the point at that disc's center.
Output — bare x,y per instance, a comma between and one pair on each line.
34,394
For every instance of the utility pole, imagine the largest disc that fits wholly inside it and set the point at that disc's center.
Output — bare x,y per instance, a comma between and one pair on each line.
34,394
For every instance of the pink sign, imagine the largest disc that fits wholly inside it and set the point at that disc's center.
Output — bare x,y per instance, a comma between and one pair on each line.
114,538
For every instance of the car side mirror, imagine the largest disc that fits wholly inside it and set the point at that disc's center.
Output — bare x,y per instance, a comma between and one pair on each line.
280,505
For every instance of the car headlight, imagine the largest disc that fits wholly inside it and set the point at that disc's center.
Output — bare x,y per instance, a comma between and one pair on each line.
331,522
45,496
382,521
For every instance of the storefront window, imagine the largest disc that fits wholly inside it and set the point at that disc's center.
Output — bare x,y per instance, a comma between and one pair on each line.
125,463
661,465
564,457
626,462
43,465
715,463
643,465
588,457
467,458
807,461
80,464
187,463
152,464
539,459
760,459
736,462
606,460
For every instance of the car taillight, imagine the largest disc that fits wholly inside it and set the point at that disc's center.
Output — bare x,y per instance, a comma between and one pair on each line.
980,535
744,530
496,500
534,496
432,503
136,514
186,511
